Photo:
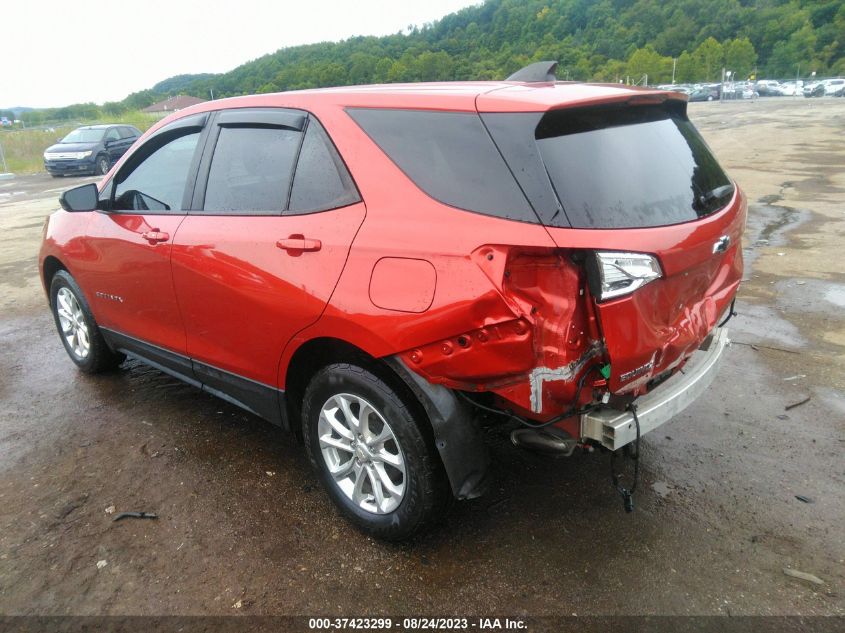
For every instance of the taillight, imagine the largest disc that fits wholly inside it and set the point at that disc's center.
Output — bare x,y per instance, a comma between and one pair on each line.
617,274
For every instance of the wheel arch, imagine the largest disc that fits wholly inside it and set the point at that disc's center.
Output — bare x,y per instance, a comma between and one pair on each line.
49,267
450,425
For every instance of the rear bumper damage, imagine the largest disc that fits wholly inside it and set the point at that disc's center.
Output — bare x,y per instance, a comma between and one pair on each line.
614,429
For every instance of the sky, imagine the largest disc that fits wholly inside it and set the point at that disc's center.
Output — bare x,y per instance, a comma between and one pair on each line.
59,52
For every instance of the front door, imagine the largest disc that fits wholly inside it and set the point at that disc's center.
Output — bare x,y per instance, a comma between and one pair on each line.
127,263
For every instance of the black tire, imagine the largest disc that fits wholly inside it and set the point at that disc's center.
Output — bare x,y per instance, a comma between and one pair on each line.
99,356
102,165
426,492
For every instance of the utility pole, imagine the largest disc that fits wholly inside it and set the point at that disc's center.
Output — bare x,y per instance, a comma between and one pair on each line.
674,61
3,158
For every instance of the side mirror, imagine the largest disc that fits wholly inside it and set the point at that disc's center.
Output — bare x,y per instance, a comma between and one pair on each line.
82,198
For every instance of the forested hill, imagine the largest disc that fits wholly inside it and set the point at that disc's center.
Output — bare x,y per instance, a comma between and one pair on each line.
594,40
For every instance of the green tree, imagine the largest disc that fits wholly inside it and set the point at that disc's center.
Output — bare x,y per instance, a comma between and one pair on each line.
647,61
794,54
740,56
686,69
709,58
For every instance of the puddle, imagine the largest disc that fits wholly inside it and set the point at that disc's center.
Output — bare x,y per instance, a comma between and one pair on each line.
814,296
764,325
787,216
768,223
836,296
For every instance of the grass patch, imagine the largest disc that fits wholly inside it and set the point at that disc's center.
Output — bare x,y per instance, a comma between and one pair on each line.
24,149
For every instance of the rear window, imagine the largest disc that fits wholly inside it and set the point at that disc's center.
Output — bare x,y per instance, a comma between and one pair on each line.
629,166
450,156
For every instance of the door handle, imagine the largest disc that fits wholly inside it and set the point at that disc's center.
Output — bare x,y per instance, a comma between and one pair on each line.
155,236
299,243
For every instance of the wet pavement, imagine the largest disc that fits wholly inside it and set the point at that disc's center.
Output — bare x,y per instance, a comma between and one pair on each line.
243,526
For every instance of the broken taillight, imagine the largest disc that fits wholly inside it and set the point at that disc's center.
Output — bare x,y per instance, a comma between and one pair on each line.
616,274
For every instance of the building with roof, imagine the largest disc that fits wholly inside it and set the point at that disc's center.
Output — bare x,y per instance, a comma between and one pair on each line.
172,104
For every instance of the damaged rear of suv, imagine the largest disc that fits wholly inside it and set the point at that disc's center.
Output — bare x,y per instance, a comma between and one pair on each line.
580,332
370,267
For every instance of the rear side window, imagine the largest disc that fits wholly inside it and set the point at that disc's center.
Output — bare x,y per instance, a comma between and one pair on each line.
251,170
450,156
630,166
321,181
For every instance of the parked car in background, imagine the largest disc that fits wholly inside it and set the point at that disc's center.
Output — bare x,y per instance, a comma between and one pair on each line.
791,88
815,89
833,87
740,90
706,93
5,122
91,149
369,267
768,88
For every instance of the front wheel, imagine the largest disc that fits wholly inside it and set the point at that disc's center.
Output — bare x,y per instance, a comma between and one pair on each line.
77,328
102,165
368,447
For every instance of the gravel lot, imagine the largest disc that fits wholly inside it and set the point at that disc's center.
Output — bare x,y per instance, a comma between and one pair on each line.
244,528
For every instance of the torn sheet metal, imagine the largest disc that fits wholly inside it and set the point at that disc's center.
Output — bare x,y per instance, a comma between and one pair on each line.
541,375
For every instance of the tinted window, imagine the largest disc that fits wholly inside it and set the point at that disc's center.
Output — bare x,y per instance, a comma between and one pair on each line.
632,166
127,132
450,156
321,181
112,134
158,182
251,170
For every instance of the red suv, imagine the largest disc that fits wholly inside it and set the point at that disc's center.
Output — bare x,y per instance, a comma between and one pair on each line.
369,266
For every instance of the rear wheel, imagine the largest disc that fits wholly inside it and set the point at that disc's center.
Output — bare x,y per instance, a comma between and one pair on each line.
368,448
77,328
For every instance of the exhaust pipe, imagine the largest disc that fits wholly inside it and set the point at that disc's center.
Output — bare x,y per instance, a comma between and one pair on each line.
549,441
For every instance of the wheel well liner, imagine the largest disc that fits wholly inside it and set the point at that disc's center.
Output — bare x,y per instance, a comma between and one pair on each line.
50,267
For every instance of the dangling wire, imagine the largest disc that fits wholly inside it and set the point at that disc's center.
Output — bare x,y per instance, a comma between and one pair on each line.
628,493
731,313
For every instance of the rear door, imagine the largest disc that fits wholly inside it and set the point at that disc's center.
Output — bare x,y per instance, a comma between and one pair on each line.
634,190
275,212
114,144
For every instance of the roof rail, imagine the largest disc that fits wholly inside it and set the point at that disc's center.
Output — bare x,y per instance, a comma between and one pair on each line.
538,71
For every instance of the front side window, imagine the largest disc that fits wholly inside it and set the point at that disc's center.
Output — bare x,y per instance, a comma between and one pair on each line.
251,170
158,182
112,135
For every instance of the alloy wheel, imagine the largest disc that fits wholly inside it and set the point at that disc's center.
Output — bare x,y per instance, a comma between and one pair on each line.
72,322
362,453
